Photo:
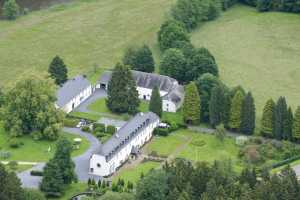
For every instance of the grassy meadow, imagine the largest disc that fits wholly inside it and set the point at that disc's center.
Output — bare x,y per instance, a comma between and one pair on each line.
85,33
260,51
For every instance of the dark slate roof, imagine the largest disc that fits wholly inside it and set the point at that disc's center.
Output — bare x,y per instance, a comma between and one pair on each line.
126,133
71,89
145,80
176,95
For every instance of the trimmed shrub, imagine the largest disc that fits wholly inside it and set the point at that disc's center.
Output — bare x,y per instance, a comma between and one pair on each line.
37,135
71,122
86,129
13,165
5,154
161,131
100,134
36,173
99,127
111,129
13,143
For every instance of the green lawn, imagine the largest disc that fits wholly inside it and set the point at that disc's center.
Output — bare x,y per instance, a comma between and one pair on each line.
260,51
85,33
36,151
134,174
167,145
195,147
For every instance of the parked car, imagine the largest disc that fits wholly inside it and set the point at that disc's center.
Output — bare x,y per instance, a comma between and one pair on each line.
81,123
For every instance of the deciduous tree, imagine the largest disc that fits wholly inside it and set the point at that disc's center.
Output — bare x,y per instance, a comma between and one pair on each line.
173,64
10,9
140,59
170,33
191,104
29,107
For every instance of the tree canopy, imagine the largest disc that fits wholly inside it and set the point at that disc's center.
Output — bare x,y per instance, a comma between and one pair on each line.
10,9
29,107
191,104
140,59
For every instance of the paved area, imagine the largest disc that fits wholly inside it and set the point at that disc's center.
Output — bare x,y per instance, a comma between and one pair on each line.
98,94
112,122
81,162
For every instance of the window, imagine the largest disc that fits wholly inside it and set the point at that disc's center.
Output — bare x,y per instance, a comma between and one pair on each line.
98,165
92,170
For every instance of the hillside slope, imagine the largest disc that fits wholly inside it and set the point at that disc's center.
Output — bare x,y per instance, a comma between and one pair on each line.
84,34
260,51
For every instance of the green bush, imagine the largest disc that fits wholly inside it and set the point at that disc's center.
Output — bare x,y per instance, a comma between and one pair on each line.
100,134
13,165
111,129
161,131
86,129
37,135
10,9
13,143
36,173
99,127
5,154
71,122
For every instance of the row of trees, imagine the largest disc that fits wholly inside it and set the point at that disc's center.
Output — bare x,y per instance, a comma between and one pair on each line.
278,121
59,171
292,6
232,108
183,181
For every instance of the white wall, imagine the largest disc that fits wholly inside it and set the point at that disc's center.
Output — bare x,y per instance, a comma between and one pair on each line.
168,106
108,168
78,99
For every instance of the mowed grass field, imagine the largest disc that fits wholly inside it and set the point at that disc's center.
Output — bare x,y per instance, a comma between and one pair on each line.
84,33
260,51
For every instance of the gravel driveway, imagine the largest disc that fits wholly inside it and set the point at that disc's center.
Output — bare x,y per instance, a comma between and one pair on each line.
81,162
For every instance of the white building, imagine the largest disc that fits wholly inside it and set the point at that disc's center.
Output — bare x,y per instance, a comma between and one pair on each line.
73,93
171,92
125,142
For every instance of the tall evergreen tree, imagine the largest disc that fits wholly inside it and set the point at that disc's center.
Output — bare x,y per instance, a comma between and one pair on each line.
268,119
52,183
236,110
248,115
63,158
296,125
191,104
280,118
122,93
155,104
288,125
10,185
217,106
58,70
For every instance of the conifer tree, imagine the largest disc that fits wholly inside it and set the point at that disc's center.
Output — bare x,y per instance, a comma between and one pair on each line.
122,95
63,158
10,9
52,182
296,125
235,111
280,118
155,104
58,70
268,119
191,104
288,125
217,106
248,115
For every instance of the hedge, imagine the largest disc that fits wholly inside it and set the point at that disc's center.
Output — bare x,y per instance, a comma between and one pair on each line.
161,131
86,129
285,162
111,129
99,127
71,122
36,173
